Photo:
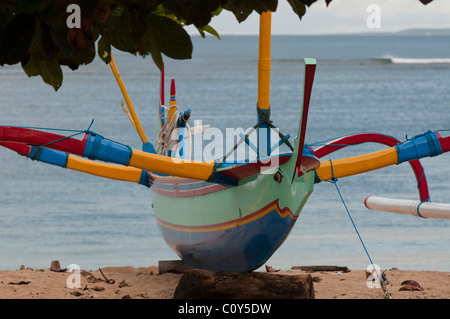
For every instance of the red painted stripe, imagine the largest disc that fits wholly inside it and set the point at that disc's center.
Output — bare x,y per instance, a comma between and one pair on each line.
381,139
186,193
353,140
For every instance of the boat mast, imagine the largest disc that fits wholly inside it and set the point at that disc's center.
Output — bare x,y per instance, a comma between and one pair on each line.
264,82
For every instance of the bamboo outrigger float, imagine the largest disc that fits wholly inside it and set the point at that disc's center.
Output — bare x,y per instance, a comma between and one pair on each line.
222,215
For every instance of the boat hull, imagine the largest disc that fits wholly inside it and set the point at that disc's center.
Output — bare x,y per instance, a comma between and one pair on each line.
235,229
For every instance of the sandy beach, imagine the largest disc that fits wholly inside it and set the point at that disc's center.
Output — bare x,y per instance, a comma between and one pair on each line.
148,283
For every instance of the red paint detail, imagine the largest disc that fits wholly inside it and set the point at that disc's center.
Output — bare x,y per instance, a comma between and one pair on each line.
445,142
277,177
365,201
309,79
299,171
22,149
172,88
249,169
381,139
35,137
161,88
235,222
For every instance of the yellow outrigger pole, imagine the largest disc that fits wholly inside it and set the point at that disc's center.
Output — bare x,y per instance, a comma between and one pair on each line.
264,61
147,146
263,106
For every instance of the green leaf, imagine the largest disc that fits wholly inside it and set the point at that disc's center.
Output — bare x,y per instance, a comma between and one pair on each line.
240,10
15,38
169,37
30,7
116,31
211,30
298,7
309,2
197,12
104,50
30,68
157,58
50,71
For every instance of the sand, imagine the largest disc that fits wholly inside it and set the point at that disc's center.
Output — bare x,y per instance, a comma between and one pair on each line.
147,283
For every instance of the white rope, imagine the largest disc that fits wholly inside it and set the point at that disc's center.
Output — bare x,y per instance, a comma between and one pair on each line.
164,139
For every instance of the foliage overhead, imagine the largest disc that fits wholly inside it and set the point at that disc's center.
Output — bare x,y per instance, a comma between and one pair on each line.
35,33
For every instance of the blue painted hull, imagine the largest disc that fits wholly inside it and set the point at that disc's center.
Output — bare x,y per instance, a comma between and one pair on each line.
240,248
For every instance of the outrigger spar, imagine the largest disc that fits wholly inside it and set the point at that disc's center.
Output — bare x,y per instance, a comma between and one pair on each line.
227,214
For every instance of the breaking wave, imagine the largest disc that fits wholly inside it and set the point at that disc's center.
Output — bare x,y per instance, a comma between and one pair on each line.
399,60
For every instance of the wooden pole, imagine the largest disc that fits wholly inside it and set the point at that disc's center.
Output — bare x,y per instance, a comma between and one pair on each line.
264,61
263,131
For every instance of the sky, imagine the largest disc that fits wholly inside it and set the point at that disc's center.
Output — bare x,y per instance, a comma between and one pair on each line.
343,16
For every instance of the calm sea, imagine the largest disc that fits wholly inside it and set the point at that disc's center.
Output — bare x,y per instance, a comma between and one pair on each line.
397,85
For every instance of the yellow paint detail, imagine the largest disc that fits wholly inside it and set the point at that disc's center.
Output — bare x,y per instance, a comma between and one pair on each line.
129,174
357,164
172,166
264,61
172,109
227,225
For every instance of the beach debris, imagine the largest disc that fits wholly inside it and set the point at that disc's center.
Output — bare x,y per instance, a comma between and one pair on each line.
76,293
123,283
22,282
108,281
321,268
90,278
270,269
127,297
383,276
56,267
316,279
410,285
98,288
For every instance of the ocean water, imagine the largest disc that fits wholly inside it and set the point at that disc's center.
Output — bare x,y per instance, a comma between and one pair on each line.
396,85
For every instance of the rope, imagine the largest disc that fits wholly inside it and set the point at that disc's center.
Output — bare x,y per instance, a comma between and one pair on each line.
418,206
37,149
164,139
334,181
264,117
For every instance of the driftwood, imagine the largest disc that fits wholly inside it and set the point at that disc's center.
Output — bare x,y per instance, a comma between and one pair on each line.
321,268
202,284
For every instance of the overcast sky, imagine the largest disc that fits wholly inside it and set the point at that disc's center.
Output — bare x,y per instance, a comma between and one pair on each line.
342,16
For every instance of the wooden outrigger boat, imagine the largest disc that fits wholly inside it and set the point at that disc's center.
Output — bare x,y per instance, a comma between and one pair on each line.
223,215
